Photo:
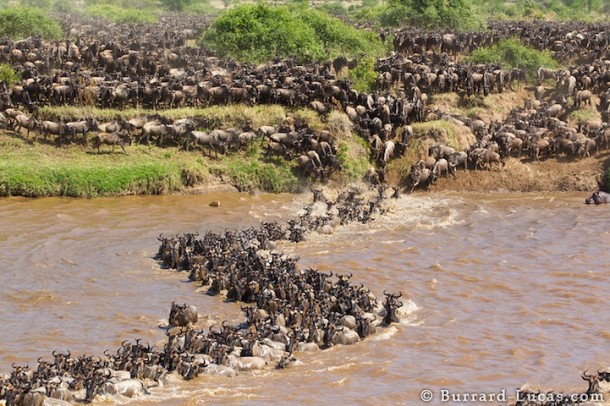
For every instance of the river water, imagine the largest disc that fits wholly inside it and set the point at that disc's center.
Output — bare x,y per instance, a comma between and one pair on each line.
503,290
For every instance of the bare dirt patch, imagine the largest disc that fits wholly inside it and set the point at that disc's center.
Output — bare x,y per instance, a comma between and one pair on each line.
552,175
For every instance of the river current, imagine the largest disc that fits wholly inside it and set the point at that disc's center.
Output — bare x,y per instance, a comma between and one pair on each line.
501,290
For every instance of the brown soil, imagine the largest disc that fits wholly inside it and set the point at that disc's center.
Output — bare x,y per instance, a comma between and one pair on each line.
552,175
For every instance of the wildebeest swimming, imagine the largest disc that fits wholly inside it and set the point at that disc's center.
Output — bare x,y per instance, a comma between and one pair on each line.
598,198
287,310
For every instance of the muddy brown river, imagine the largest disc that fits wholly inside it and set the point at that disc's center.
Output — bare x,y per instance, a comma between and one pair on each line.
504,290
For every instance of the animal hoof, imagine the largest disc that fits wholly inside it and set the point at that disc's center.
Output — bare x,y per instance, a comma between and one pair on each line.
215,203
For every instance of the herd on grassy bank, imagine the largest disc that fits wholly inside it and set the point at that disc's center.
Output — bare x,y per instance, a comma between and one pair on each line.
156,67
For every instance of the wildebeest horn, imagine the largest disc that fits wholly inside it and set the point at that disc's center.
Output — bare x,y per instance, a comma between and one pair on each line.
384,292
399,295
585,376
53,353
350,275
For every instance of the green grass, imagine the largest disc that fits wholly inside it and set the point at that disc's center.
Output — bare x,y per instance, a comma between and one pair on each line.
354,156
249,170
43,169
585,114
38,170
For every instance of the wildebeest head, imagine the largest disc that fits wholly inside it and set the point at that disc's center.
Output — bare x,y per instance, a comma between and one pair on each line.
598,198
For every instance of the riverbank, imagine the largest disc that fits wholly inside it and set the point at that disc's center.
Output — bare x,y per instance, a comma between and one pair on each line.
551,175
42,169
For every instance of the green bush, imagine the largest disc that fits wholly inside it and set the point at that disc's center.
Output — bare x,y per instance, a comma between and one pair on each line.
363,76
334,8
512,53
118,14
445,14
8,75
258,33
372,15
22,22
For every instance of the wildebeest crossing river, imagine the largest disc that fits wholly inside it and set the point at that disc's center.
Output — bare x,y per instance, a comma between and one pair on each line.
508,289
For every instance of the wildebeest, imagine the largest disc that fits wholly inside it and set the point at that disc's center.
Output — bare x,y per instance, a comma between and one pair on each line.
182,315
419,175
23,121
81,127
598,197
113,139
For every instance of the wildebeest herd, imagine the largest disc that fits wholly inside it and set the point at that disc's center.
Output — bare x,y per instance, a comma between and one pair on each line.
157,67
287,309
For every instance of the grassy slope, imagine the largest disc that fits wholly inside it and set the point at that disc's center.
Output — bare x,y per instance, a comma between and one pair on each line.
45,170
42,169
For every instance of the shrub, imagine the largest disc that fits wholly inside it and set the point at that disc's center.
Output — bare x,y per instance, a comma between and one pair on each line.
118,14
260,32
8,75
22,22
334,8
363,76
445,14
512,53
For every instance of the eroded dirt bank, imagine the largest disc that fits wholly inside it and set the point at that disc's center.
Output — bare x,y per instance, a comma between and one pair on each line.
552,175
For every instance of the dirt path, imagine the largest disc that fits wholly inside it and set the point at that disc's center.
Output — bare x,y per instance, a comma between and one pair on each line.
552,175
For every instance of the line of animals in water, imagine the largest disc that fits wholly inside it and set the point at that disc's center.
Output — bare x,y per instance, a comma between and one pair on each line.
287,309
